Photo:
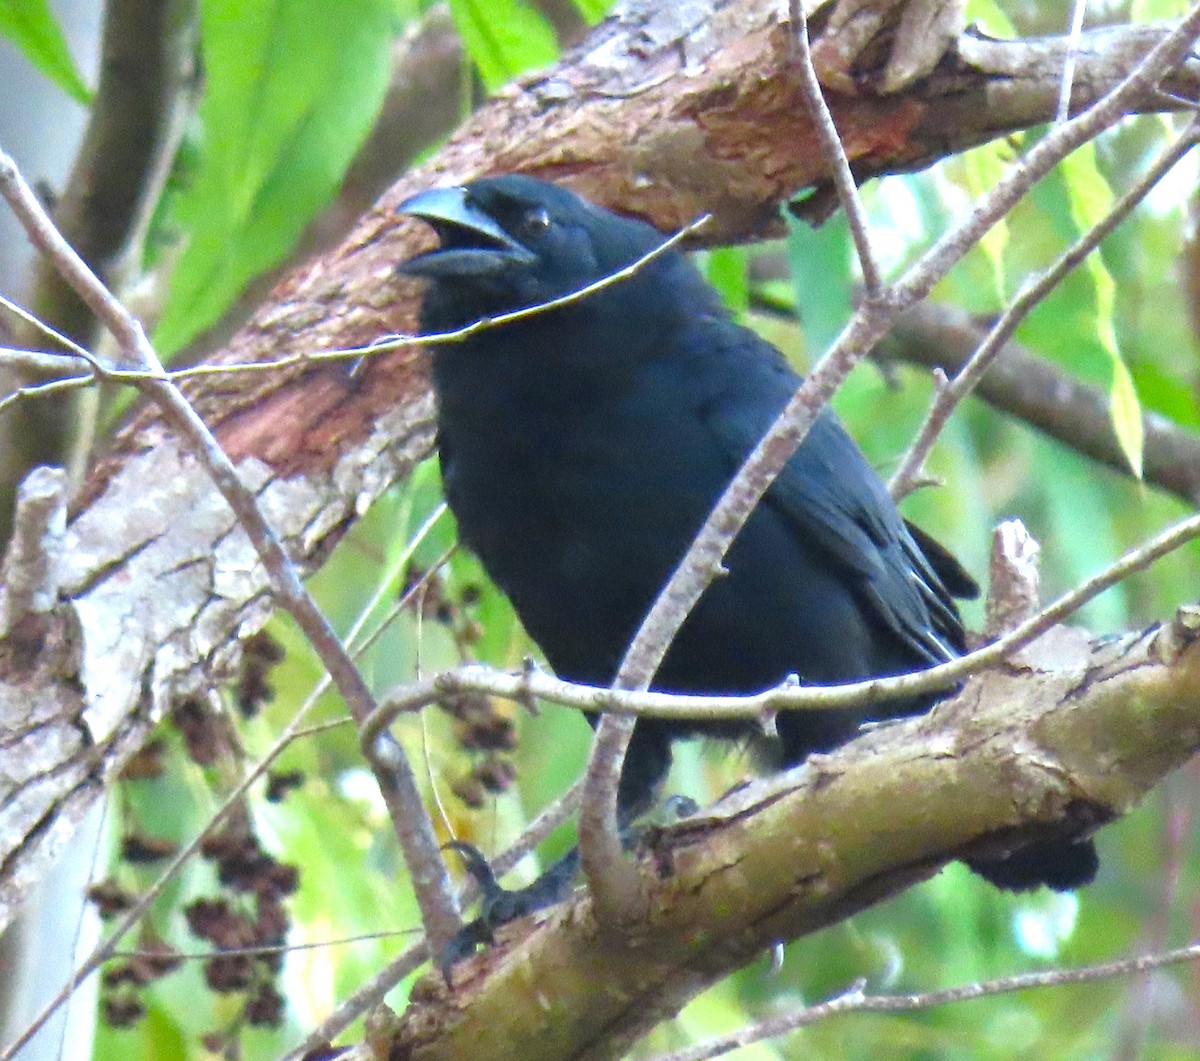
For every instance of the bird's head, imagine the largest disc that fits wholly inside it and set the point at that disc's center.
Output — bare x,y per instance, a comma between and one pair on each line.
510,242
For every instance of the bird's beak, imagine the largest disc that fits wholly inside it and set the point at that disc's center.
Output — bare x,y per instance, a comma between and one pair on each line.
472,242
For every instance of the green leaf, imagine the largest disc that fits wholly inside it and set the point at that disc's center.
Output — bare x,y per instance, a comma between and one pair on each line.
1156,10
1091,198
593,10
31,26
726,269
1127,416
290,94
991,16
820,264
503,38
982,169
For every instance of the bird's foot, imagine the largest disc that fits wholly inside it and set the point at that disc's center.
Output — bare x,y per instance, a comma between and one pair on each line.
500,905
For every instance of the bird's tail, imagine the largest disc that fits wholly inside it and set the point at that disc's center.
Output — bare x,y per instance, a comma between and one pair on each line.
1059,864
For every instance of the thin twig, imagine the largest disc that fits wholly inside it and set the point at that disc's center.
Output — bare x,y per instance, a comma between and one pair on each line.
912,467
1074,35
855,1001
789,696
293,731
385,344
397,782
49,332
258,952
831,148
372,993
40,390
38,362
1045,396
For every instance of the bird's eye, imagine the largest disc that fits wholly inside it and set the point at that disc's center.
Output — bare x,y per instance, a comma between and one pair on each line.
537,220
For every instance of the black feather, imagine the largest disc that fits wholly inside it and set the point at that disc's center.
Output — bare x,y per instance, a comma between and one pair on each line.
583,447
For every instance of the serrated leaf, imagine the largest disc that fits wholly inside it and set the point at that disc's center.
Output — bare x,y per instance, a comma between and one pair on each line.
32,27
503,38
1091,198
290,94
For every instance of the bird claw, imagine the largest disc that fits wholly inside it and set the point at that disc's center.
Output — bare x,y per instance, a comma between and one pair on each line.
500,905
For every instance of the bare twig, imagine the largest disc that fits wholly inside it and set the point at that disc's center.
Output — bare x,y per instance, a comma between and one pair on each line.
30,390
372,993
1045,396
138,376
37,324
855,1001
39,363
258,952
789,696
1074,34
414,830
911,470
832,150
613,878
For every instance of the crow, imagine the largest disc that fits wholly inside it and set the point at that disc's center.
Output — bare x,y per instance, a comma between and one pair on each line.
583,445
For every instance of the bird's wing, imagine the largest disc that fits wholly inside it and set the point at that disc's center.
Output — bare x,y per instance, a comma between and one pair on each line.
828,492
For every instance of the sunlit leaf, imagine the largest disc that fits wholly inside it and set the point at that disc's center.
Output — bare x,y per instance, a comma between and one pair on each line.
1090,198
982,169
32,27
727,273
992,16
593,10
1127,416
1157,10
504,38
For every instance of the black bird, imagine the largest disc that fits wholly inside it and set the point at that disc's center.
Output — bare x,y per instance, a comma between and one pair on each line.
583,446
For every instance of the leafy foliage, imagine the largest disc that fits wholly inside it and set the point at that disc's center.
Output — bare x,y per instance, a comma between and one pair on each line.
291,90
32,27
503,37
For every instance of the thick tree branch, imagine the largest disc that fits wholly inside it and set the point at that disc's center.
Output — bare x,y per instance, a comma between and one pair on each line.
1067,737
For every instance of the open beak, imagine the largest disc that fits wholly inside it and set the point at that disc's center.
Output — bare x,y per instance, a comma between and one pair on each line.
472,243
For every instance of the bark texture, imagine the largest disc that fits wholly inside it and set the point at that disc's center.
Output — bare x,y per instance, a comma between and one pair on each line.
1069,736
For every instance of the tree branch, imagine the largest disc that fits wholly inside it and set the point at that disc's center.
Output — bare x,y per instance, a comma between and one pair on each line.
395,776
1068,737
1021,384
